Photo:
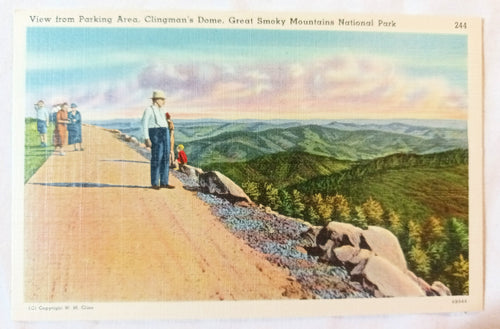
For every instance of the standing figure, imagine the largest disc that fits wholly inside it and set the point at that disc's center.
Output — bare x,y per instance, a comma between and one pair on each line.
42,122
157,136
75,128
53,115
173,163
61,131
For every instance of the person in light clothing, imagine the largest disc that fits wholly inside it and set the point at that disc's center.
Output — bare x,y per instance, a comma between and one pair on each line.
157,136
42,122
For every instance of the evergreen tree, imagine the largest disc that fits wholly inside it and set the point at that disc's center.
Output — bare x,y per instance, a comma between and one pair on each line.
457,238
285,204
414,235
419,262
312,216
359,220
297,204
438,257
252,190
394,223
457,276
272,196
341,210
432,230
373,212
321,208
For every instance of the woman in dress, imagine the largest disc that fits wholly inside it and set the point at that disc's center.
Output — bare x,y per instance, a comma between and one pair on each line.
61,131
75,128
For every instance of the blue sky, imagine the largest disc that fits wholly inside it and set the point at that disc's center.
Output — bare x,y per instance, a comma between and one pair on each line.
226,73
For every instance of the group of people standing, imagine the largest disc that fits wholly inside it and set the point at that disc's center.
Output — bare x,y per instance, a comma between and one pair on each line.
157,127
67,130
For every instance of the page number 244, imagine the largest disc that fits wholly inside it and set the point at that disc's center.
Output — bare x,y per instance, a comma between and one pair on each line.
461,25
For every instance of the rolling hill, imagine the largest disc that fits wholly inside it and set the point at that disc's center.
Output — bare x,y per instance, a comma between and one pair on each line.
281,169
237,146
210,140
415,186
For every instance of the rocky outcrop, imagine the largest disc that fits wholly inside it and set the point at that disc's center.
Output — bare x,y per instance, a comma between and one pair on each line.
385,244
190,171
214,182
384,278
373,258
439,289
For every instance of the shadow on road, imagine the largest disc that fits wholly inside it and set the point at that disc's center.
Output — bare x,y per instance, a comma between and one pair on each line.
129,161
82,184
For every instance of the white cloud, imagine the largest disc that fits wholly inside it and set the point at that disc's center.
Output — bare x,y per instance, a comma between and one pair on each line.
337,83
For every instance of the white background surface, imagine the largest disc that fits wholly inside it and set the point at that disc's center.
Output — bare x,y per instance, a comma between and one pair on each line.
488,10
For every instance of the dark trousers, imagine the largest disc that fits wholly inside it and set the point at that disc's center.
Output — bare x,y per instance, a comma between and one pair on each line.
160,155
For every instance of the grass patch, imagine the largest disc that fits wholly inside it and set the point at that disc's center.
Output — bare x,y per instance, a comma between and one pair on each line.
34,154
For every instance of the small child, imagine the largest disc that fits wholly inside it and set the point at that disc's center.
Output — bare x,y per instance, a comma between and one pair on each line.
182,159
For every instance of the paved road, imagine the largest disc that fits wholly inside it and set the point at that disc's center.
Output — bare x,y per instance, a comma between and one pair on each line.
95,231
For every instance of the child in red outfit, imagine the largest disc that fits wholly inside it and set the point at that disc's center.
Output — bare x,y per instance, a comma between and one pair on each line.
182,159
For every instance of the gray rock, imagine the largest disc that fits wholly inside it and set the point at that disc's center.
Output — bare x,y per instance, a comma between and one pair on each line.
385,244
440,289
311,234
341,234
360,257
344,254
191,171
373,257
125,137
386,279
214,182
421,283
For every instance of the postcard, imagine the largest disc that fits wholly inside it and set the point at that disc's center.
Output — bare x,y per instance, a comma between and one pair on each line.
241,164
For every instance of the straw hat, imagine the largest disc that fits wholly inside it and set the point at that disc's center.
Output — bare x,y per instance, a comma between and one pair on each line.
158,94
180,147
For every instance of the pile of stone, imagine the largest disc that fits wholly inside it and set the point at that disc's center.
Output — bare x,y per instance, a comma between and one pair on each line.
373,258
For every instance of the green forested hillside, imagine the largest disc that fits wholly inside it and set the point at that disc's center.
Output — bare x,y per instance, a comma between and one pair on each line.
415,186
422,199
281,169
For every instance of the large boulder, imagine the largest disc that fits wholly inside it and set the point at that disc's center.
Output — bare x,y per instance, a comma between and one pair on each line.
339,234
373,257
386,279
440,289
214,182
336,235
383,243
191,171
311,234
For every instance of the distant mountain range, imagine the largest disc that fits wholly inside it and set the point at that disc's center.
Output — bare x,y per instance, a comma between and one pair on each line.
242,145
209,140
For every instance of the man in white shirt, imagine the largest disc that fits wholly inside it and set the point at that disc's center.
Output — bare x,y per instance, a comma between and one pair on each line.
157,136
42,116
